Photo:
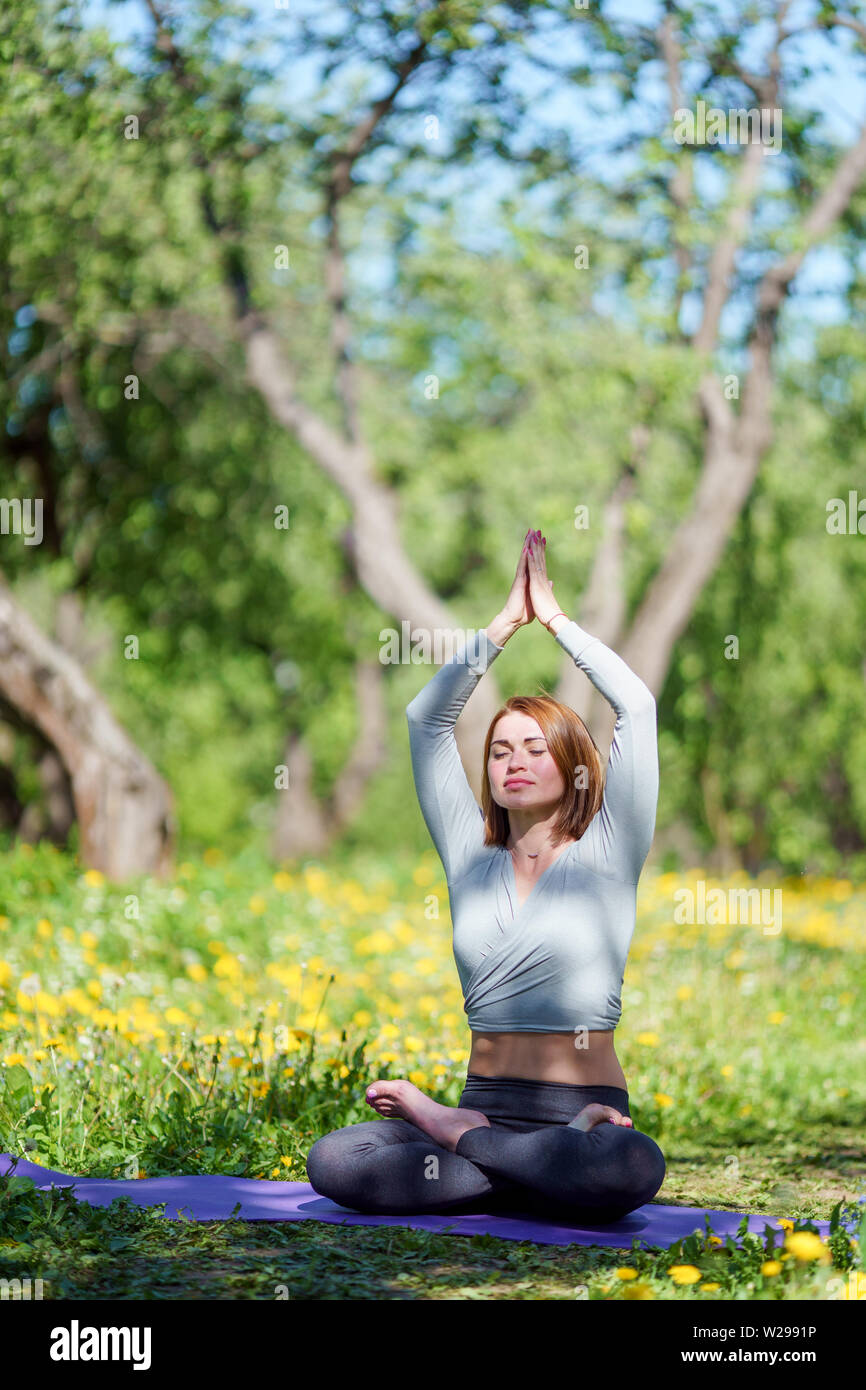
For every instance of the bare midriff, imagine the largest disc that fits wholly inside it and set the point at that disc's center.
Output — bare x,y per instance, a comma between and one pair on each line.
548,1057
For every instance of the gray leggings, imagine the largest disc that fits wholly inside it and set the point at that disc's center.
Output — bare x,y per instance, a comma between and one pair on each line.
531,1158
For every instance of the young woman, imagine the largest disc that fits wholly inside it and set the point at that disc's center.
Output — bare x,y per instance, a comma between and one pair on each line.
542,884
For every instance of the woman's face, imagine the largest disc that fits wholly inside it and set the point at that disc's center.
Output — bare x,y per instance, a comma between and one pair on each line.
521,769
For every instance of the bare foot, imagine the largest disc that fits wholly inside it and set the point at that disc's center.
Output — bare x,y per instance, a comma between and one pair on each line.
596,1114
444,1123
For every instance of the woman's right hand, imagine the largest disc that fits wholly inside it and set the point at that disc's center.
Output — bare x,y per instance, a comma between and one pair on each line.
518,610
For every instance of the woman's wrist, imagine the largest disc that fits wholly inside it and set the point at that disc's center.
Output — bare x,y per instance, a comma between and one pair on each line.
557,621
500,629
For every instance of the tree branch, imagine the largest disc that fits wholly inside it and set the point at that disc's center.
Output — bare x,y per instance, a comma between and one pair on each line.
682,183
338,186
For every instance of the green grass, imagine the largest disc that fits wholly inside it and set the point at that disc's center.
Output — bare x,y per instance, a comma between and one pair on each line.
221,1021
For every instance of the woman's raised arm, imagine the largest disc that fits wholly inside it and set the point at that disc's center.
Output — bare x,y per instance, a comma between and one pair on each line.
450,811
618,838
622,831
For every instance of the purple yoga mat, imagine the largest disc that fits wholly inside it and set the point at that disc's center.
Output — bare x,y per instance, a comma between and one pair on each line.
212,1198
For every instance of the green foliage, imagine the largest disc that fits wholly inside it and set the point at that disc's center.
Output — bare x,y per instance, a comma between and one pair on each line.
162,508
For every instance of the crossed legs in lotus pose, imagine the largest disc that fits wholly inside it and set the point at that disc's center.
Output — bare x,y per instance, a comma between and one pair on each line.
431,1157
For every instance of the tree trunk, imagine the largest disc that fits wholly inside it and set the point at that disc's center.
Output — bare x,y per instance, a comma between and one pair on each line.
123,807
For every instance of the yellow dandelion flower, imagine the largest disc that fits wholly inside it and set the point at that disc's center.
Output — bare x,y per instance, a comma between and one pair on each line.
378,943
44,928
93,877
6,973
257,904
275,1172
648,1039
805,1246
662,1099
727,1070
770,1267
685,1274
710,1288
282,881
637,1291
88,940
778,1016
626,1272
227,967
15,1059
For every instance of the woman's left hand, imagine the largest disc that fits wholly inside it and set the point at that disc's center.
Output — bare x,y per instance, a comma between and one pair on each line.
540,588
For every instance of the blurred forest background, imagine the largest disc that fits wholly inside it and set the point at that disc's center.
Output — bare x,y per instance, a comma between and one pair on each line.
309,310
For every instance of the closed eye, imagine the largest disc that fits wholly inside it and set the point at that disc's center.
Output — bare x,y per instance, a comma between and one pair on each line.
537,752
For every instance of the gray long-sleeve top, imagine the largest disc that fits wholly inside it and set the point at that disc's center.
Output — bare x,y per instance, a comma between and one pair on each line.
556,964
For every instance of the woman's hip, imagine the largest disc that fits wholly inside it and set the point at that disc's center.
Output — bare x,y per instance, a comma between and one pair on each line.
516,1102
